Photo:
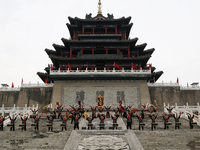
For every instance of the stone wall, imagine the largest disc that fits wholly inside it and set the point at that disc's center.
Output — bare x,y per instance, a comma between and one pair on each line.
8,98
173,95
128,91
45,95
29,96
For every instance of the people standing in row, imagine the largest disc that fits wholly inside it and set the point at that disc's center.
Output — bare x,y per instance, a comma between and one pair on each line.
24,122
1,122
12,121
153,123
36,121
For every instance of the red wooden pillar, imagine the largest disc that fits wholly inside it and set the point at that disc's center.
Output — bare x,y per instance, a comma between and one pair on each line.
81,50
83,30
115,30
106,31
117,50
74,36
92,50
70,52
93,30
106,50
128,52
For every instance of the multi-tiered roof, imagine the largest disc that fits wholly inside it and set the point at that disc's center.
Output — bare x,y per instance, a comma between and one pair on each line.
99,48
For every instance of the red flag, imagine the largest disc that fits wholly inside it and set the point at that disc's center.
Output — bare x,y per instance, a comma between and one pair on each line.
12,85
150,67
46,80
140,68
51,67
177,81
120,67
91,67
60,68
133,66
22,81
116,66
66,68
79,68
69,67
187,85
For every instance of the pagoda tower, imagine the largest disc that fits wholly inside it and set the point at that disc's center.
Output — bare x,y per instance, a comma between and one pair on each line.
100,64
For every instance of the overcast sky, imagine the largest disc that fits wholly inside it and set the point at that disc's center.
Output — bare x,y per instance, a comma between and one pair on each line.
27,27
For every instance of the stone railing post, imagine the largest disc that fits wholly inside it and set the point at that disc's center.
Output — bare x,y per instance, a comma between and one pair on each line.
132,69
26,111
176,109
17,110
2,110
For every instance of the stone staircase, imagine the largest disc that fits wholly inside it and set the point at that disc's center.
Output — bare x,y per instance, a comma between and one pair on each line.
159,139
171,139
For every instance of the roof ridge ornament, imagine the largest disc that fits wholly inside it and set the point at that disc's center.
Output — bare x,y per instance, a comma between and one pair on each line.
99,11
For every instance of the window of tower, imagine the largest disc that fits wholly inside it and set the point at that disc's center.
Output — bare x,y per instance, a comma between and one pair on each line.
100,51
99,31
111,31
87,51
112,51
88,31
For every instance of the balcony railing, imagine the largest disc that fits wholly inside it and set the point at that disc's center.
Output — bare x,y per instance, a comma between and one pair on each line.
95,71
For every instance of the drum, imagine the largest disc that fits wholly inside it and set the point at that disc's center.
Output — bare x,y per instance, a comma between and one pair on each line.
34,125
101,125
22,125
90,125
63,125
168,124
142,124
49,125
154,124
10,125
178,123
115,125
194,123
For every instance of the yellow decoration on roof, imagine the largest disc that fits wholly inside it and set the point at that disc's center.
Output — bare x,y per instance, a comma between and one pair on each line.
99,12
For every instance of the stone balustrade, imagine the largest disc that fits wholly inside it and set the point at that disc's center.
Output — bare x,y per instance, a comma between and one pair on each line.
95,71
32,85
186,109
16,111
